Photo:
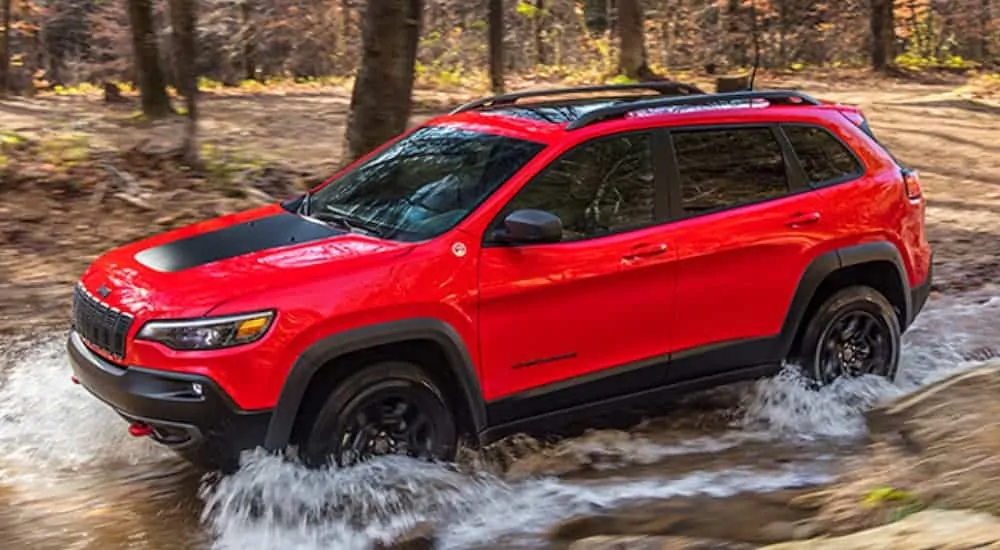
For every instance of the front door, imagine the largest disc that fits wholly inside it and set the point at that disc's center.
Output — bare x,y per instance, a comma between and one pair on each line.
557,319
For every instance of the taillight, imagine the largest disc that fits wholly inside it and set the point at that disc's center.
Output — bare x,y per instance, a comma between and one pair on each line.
911,181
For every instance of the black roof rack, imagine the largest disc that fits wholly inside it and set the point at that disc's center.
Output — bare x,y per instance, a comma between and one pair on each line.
786,97
665,87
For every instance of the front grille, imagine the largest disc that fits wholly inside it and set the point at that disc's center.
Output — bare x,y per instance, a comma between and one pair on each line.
102,326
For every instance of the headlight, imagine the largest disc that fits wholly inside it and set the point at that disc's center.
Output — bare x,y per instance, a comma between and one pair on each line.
212,333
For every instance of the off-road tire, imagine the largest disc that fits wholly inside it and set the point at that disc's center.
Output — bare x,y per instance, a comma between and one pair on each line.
854,302
324,444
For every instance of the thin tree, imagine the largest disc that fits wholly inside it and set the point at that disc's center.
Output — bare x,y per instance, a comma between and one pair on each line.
632,59
882,33
985,34
381,100
149,74
495,19
539,28
4,46
184,19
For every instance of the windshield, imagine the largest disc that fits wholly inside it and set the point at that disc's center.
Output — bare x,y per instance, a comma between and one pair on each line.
422,185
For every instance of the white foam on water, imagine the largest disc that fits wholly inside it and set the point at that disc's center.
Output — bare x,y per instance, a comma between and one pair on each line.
273,503
933,348
46,421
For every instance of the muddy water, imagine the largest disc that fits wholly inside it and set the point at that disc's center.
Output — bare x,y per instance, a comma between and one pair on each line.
70,477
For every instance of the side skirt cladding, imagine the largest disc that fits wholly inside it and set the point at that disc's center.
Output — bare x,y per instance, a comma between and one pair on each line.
339,345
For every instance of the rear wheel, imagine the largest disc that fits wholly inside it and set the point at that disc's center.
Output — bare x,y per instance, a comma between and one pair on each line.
854,332
390,408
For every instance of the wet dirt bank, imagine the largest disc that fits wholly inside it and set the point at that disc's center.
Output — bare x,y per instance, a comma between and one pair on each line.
70,477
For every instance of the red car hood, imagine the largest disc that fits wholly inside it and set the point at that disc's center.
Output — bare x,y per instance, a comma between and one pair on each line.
188,271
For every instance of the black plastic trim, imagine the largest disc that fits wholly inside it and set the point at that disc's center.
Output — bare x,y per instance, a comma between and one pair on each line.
650,394
920,293
217,429
274,231
882,251
321,353
633,379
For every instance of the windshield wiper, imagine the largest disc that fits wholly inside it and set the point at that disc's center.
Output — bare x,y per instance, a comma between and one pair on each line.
348,221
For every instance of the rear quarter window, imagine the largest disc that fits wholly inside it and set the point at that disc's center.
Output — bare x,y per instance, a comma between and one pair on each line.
824,158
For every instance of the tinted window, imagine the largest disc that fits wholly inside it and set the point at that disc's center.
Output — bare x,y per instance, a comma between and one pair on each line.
728,167
423,184
823,157
597,188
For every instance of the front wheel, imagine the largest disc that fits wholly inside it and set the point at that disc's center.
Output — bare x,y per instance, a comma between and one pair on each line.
854,332
390,408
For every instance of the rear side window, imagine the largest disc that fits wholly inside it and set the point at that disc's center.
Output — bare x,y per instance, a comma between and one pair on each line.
824,158
723,168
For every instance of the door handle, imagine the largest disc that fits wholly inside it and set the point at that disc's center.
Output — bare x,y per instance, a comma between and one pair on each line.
645,252
800,219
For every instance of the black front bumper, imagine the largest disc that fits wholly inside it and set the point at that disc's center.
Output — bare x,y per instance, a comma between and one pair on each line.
205,427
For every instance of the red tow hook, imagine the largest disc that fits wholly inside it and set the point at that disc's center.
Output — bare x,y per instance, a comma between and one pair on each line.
74,379
139,430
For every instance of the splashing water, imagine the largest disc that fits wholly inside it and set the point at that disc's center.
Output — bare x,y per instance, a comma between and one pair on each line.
45,419
273,503
48,425
933,348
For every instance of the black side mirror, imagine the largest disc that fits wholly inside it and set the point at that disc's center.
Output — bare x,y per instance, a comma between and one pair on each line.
530,226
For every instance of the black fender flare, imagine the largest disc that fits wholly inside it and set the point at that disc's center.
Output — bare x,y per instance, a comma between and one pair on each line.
337,345
825,264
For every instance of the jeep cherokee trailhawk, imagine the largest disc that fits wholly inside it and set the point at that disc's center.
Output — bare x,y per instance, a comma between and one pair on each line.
520,258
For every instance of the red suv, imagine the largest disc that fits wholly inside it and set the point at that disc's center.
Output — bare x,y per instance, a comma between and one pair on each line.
511,263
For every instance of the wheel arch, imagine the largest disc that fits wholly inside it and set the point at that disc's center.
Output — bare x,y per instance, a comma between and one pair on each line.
323,358
877,264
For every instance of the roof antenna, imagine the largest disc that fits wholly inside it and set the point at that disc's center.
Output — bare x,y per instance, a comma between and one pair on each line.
756,42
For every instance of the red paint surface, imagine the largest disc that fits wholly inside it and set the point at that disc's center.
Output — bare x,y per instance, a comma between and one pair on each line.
593,304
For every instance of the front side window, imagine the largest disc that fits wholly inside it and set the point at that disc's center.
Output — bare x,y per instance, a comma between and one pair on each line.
597,188
422,185
727,167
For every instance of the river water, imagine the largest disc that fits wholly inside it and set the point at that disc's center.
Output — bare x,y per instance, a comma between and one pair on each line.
71,477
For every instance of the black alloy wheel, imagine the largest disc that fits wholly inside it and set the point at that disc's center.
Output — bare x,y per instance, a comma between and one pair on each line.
855,332
390,408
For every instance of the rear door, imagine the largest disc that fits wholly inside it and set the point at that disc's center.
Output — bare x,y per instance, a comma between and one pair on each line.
746,223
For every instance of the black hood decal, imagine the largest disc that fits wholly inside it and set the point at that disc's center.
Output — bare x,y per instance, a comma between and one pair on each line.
281,229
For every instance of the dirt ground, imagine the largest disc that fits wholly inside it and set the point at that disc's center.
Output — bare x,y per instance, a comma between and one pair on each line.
94,176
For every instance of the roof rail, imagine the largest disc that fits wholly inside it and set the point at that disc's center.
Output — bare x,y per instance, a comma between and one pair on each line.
786,97
665,87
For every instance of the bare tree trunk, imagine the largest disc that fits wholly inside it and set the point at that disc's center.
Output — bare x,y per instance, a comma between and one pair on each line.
495,19
183,19
382,96
152,84
882,34
783,24
4,47
249,40
539,24
632,49
985,35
